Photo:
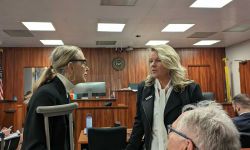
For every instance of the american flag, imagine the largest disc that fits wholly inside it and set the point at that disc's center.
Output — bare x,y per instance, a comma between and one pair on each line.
1,90
1,83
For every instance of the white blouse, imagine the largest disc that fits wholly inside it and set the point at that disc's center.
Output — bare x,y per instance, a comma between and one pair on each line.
159,141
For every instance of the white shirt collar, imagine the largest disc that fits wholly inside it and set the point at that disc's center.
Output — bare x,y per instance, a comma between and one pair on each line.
67,84
158,84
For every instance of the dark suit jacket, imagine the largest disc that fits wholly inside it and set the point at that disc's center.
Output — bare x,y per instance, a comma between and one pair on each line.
52,93
242,122
145,108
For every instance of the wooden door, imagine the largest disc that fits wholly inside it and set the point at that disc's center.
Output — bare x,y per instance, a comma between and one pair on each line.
245,77
201,74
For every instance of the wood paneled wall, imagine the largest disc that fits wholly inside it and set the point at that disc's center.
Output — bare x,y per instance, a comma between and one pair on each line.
14,61
100,60
206,67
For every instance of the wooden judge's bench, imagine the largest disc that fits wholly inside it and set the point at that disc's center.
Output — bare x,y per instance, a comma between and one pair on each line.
122,111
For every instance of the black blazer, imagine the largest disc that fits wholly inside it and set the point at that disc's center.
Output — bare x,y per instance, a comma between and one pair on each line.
52,93
145,108
242,122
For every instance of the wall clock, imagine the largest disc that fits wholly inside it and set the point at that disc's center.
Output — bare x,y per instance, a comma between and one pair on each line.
118,63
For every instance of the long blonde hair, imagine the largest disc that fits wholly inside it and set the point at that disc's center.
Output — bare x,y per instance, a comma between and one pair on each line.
171,61
59,58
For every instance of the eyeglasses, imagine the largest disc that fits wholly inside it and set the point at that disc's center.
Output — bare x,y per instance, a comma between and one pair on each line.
83,62
170,129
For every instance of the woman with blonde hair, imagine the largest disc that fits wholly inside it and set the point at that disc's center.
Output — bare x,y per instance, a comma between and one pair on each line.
68,68
160,99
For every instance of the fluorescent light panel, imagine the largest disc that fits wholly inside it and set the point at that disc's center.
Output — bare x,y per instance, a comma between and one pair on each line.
207,42
210,3
39,26
157,42
110,27
52,42
177,27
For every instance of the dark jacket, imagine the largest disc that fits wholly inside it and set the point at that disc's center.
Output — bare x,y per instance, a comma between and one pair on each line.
242,122
145,110
52,93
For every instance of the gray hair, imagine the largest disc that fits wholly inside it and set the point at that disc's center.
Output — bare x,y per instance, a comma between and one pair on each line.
243,100
171,61
203,103
211,128
59,58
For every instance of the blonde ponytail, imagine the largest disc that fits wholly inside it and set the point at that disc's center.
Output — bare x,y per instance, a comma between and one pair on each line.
47,74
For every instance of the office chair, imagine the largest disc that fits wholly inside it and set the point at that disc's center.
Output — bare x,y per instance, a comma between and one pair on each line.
58,110
245,140
107,138
208,95
133,86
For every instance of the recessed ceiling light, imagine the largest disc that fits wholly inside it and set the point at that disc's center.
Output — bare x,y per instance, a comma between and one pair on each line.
52,42
210,3
177,27
39,26
157,42
110,27
207,42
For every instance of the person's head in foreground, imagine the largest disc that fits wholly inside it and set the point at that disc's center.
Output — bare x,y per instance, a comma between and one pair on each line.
204,128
